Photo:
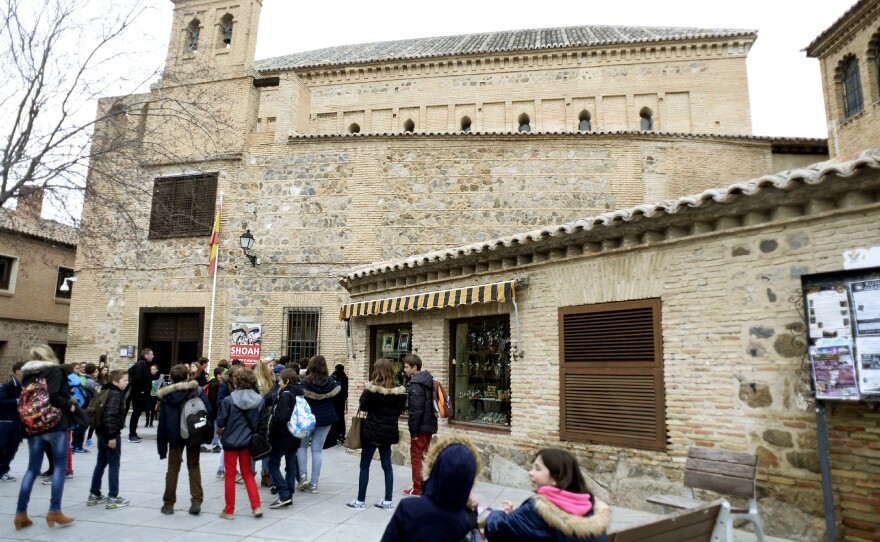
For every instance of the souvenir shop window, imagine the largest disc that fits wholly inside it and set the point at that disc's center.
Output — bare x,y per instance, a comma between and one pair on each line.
481,369
392,343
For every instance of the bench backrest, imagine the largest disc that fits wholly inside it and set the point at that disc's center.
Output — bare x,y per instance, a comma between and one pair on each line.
724,472
694,525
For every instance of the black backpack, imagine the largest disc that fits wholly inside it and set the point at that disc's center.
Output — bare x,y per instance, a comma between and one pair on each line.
96,407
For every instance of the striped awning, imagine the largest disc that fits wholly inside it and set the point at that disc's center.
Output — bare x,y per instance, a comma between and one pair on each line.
499,292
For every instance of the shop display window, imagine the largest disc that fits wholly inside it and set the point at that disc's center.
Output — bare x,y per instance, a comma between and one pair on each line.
481,365
392,343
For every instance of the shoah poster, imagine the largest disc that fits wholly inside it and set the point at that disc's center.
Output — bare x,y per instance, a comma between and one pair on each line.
244,343
834,372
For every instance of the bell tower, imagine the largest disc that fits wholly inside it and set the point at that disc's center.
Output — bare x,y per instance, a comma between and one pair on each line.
212,39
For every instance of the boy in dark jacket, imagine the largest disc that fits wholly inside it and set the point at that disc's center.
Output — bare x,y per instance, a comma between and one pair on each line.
284,445
110,443
170,443
10,422
422,421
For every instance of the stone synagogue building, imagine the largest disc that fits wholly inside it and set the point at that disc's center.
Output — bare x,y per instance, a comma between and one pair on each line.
387,187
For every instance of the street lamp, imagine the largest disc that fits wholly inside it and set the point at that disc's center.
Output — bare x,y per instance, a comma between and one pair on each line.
65,286
247,241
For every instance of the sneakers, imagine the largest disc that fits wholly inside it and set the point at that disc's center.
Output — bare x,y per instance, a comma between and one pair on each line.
116,502
205,449
135,439
303,482
46,473
258,512
167,510
221,474
89,443
224,515
78,450
95,499
46,481
282,502
384,505
356,504
216,449
68,476
273,489
313,488
6,477
412,492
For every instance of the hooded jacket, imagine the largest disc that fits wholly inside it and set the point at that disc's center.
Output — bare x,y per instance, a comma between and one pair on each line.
76,389
279,437
171,402
56,382
421,404
383,407
441,514
240,412
538,519
10,393
320,398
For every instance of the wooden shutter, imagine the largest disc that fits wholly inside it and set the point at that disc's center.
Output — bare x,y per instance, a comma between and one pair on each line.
611,374
183,206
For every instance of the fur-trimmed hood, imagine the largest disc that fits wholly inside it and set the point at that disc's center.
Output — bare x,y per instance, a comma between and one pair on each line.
186,385
441,444
382,390
329,390
571,525
35,366
451,471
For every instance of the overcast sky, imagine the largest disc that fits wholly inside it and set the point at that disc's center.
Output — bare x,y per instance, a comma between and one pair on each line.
784,86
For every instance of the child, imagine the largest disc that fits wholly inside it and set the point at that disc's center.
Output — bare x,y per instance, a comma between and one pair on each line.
110,443
213,391
240,414
10,421
284,445
152,400
421,420
562,508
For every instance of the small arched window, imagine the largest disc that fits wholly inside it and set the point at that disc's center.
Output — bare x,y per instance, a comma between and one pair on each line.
647,122
524,125
852,88
226,30
465,124
409,126
192,35
354,128
584,124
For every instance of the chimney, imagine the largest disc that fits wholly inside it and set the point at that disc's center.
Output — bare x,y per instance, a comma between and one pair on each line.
30,205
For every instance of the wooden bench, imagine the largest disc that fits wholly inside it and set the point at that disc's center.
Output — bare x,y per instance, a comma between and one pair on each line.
725,473
707,523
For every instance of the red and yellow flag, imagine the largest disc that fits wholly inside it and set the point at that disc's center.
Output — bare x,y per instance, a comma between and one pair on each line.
215,241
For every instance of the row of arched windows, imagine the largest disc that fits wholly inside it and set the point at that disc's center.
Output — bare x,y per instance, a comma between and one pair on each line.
848,74
524,123
224,37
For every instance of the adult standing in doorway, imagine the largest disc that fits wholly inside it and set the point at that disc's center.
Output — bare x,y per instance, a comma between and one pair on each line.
140,383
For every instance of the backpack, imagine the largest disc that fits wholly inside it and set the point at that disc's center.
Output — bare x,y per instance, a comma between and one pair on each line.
95,410
194,423
442,404
302,421
37,414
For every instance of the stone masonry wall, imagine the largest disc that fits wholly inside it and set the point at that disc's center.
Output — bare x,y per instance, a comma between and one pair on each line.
17,337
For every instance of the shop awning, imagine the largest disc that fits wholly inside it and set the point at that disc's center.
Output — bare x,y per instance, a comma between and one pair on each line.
498,292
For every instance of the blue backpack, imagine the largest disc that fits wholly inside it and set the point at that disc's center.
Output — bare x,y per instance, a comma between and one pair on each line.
302,421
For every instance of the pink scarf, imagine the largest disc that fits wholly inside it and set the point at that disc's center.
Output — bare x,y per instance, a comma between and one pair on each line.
577,504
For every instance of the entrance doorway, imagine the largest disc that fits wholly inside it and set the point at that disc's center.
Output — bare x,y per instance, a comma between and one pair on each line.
175,335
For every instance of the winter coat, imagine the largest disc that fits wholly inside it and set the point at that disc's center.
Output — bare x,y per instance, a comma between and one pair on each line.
383,407
441,514
421,405
171,402
10,393
320,398
213,391
240,412
59,390
139,379
279,437
539,520
76,389
113,418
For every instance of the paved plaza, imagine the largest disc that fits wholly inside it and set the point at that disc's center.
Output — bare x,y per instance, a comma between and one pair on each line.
320,517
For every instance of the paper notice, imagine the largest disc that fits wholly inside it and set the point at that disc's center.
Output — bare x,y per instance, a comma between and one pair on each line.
828,312
834,373
866,306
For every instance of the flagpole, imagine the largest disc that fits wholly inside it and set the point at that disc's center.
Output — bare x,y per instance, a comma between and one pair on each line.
214,293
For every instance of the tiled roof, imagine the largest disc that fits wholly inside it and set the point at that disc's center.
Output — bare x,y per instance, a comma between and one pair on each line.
810,49
815,174
46,230
491,42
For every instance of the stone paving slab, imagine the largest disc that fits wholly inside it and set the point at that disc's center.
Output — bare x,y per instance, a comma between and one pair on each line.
312,517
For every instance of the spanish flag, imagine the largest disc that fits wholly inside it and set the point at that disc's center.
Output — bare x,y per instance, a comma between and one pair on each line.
215,241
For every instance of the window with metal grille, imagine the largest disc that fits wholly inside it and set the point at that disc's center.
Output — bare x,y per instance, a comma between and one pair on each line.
611,372
852,87
183,206
300,337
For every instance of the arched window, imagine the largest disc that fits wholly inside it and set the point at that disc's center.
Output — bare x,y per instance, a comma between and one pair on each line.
647,122
409,126
354,128
584,121
192,36
465,124
524,125
226,31
852,88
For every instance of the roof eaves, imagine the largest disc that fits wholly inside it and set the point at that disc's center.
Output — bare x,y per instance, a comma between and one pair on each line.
820,43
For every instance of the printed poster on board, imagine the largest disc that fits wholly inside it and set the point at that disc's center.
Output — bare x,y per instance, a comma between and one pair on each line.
244,343
868,354
866,306
828,311
834,372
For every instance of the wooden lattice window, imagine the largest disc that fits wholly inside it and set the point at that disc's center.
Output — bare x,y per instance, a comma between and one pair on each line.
183,206
611,374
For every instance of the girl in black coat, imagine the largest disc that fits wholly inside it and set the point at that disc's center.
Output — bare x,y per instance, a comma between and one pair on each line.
383,401
284,445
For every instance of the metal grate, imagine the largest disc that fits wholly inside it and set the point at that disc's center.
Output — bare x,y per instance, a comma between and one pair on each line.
183,206
300,339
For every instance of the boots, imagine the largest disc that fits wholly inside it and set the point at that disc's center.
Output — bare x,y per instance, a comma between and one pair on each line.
21,521
58,517
264,481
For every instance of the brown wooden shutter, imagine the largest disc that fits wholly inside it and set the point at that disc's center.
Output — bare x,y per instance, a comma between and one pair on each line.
611,373
183,206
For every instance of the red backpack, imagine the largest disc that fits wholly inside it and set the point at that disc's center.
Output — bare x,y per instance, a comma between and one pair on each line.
38,415
442,405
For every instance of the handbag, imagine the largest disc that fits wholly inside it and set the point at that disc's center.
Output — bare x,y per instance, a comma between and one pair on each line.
259,445
353,438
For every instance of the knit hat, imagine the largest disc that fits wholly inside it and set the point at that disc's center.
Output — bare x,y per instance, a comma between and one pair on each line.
278,368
